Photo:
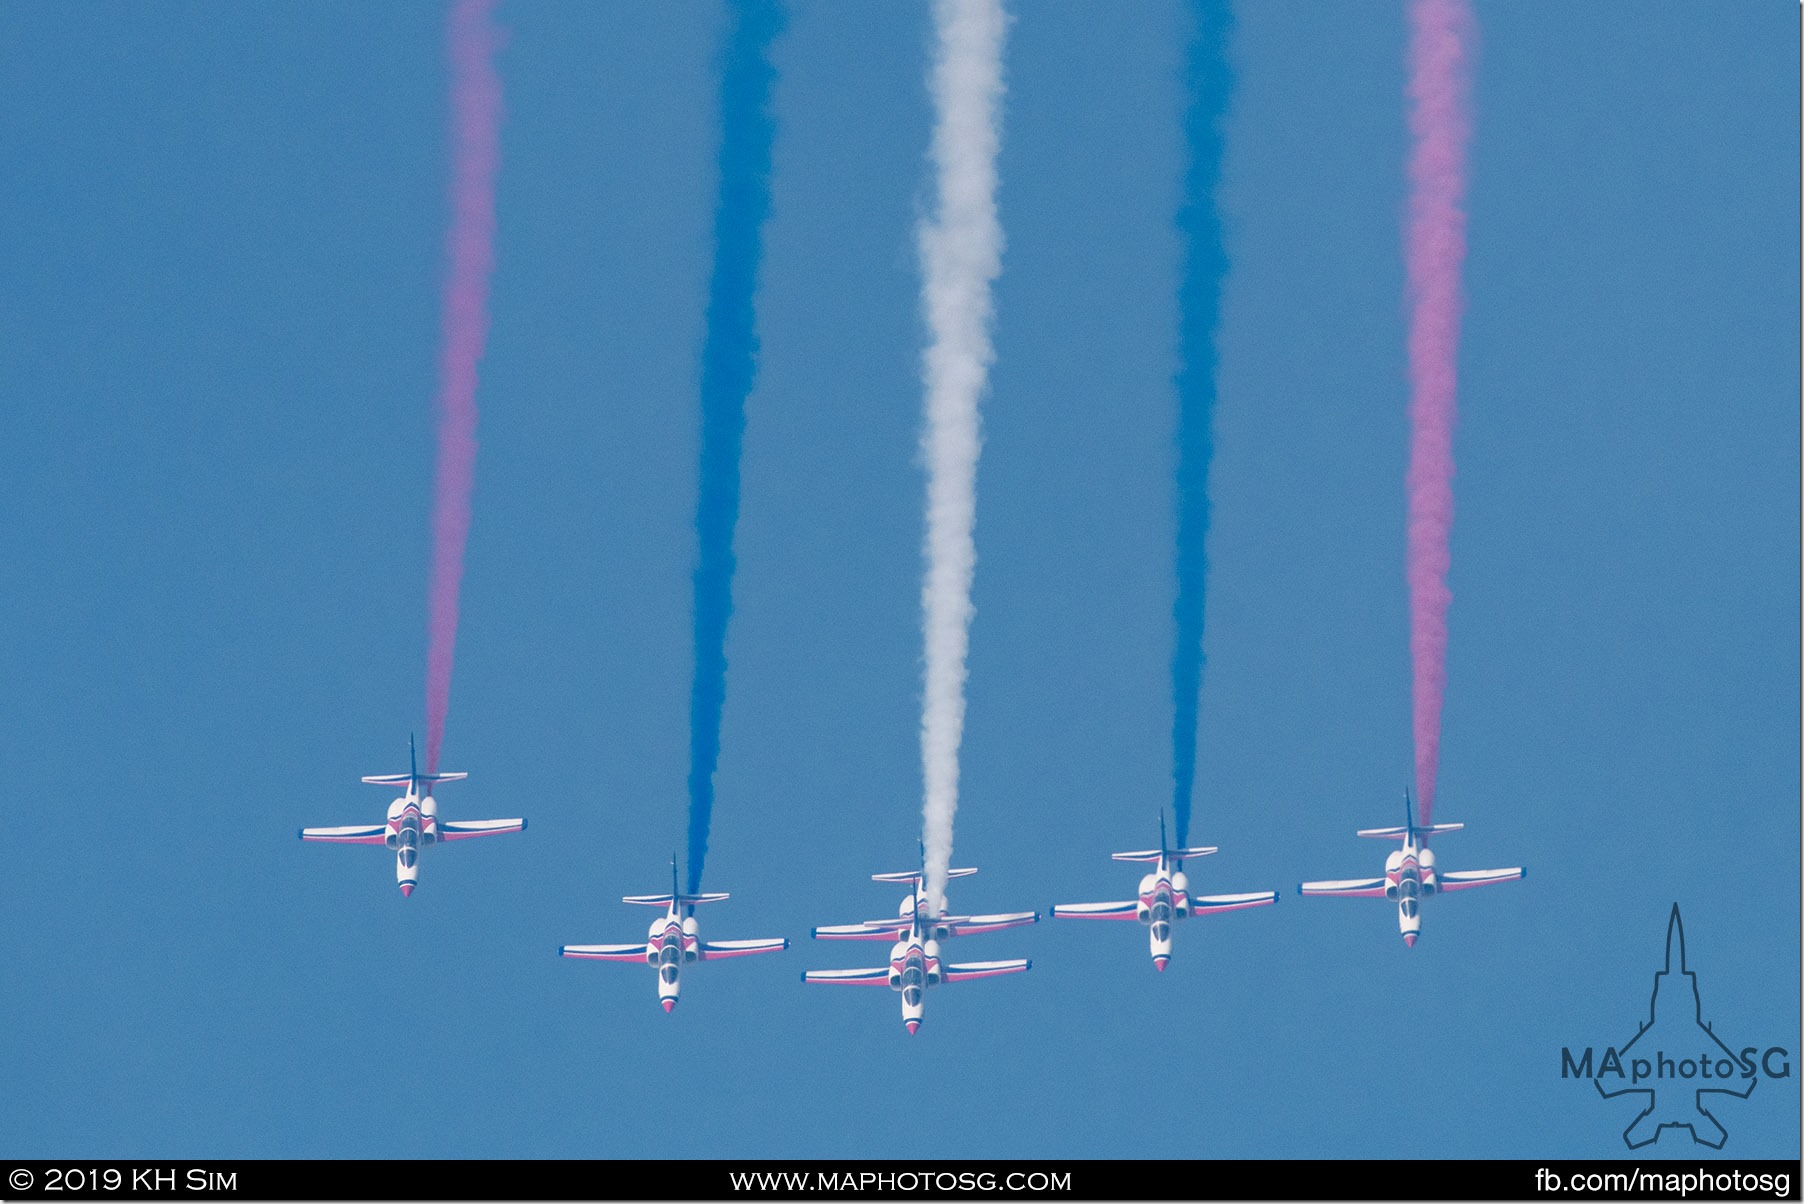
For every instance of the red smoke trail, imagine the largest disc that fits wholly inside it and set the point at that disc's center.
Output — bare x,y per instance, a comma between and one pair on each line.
1434,250
470,255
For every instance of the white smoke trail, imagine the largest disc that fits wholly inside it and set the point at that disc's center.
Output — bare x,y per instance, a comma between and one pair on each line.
961,255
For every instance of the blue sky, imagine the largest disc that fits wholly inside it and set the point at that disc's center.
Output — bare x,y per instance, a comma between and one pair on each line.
223,231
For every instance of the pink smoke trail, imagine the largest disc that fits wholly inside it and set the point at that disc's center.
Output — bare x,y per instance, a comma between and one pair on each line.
470,256
1434,250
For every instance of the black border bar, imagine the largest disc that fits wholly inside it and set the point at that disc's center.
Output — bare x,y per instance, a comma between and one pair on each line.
1014,1179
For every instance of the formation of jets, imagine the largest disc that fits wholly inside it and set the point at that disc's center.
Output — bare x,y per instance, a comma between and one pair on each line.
919,925
914,958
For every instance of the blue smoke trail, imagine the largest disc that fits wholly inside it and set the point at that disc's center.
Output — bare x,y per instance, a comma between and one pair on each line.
1205,263
729,364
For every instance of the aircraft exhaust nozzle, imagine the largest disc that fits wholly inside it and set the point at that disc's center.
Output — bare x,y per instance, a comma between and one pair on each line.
1409,938
1159,963
912,1026
407,890
669,1002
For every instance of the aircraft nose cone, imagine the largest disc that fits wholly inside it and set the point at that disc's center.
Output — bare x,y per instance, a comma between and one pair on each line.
1159,963
407,890
1409,938
912,1026
669,1005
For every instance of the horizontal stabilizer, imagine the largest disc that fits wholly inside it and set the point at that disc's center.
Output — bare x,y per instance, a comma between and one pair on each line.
661,900
1400,833
1169,854
892,928
424,779
914,876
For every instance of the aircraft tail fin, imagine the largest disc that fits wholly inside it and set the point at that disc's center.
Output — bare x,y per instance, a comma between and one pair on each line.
1164,851
413,774
675,895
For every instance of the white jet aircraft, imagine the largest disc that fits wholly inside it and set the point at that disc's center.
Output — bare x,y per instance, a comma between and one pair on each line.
1410,874
413,822
1164,897
914,905
673,941
914,959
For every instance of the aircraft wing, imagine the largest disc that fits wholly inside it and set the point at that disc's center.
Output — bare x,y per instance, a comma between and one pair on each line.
960,973
1467,879
354,834
716,949
1096,911
876,977
465,829
870,930
1209,904
1351,888
605,953
972,925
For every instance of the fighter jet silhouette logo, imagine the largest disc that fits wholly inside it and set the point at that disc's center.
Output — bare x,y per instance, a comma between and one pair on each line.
1677,1105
